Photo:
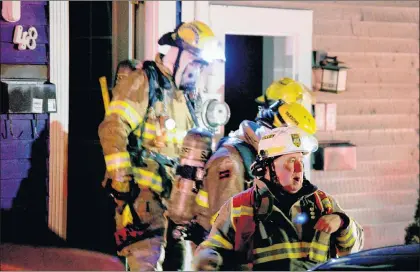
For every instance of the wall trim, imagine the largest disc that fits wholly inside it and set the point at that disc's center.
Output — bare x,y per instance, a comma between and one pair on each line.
59,122
160,17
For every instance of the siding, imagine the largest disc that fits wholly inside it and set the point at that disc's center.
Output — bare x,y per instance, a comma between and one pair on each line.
379,41
24,137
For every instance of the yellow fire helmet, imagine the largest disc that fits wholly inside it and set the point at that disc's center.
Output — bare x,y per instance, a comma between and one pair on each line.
285,89
197,38
294,114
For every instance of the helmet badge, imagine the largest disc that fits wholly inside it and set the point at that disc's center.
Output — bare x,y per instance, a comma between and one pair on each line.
296,139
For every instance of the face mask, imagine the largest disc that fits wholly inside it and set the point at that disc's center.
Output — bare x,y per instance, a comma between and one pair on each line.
190,76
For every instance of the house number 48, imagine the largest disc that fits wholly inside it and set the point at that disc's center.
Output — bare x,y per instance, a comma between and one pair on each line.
25,39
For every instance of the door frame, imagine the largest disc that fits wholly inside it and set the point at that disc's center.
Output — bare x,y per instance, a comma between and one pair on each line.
59,121
237,20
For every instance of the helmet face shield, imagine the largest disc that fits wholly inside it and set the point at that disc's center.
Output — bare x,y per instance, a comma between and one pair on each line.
190,76
212,51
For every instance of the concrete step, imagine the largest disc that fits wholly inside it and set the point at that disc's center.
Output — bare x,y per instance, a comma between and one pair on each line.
368,184
364,44
375,60
369,169
326,27
372,137
361,122
376,200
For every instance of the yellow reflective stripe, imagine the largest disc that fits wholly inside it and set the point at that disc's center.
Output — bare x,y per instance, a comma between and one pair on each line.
202,199
317,257
238,212
232,215
242,211
326,202
148,133
316,251
217,241
292,245
127,217
349,243
287,255
223,241
208,243
117,161
275,150
348,239
347,235
148,179
213,218
126,112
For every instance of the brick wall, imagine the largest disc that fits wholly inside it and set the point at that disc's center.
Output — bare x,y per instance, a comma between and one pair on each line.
379,40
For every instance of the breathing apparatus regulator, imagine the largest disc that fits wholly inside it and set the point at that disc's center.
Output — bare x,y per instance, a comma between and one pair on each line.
278,142
195,151
193,48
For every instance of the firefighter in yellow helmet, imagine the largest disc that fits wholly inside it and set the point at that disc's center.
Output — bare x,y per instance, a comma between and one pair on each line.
228,169
282,223
150,113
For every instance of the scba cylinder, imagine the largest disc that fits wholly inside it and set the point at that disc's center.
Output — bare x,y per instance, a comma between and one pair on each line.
195,151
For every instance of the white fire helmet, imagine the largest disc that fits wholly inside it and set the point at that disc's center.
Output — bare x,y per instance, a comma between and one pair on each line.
286,140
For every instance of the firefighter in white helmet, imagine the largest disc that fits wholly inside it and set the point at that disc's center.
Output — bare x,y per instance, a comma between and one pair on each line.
283,222
228,169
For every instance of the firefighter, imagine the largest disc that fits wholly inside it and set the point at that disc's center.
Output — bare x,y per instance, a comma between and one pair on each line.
228,169
283,222
150,113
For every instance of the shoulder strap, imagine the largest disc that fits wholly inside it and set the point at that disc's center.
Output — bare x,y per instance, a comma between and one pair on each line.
248,155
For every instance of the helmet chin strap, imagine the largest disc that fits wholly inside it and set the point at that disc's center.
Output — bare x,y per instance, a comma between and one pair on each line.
272,172
273,179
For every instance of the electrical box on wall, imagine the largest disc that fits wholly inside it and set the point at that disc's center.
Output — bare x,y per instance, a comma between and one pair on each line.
25,96
335,156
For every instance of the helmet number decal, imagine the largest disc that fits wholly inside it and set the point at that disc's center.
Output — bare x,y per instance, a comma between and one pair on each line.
296,139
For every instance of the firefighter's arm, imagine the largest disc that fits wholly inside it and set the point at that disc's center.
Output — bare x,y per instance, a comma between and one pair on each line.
125,113
224,179
350,236
219,245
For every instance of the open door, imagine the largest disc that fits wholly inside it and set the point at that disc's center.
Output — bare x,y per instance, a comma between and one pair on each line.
281,39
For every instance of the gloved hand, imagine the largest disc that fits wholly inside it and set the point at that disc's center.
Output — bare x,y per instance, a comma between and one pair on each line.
207,260
122,191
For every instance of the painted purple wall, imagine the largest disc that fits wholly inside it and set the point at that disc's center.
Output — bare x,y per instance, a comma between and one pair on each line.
32,14
24,146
